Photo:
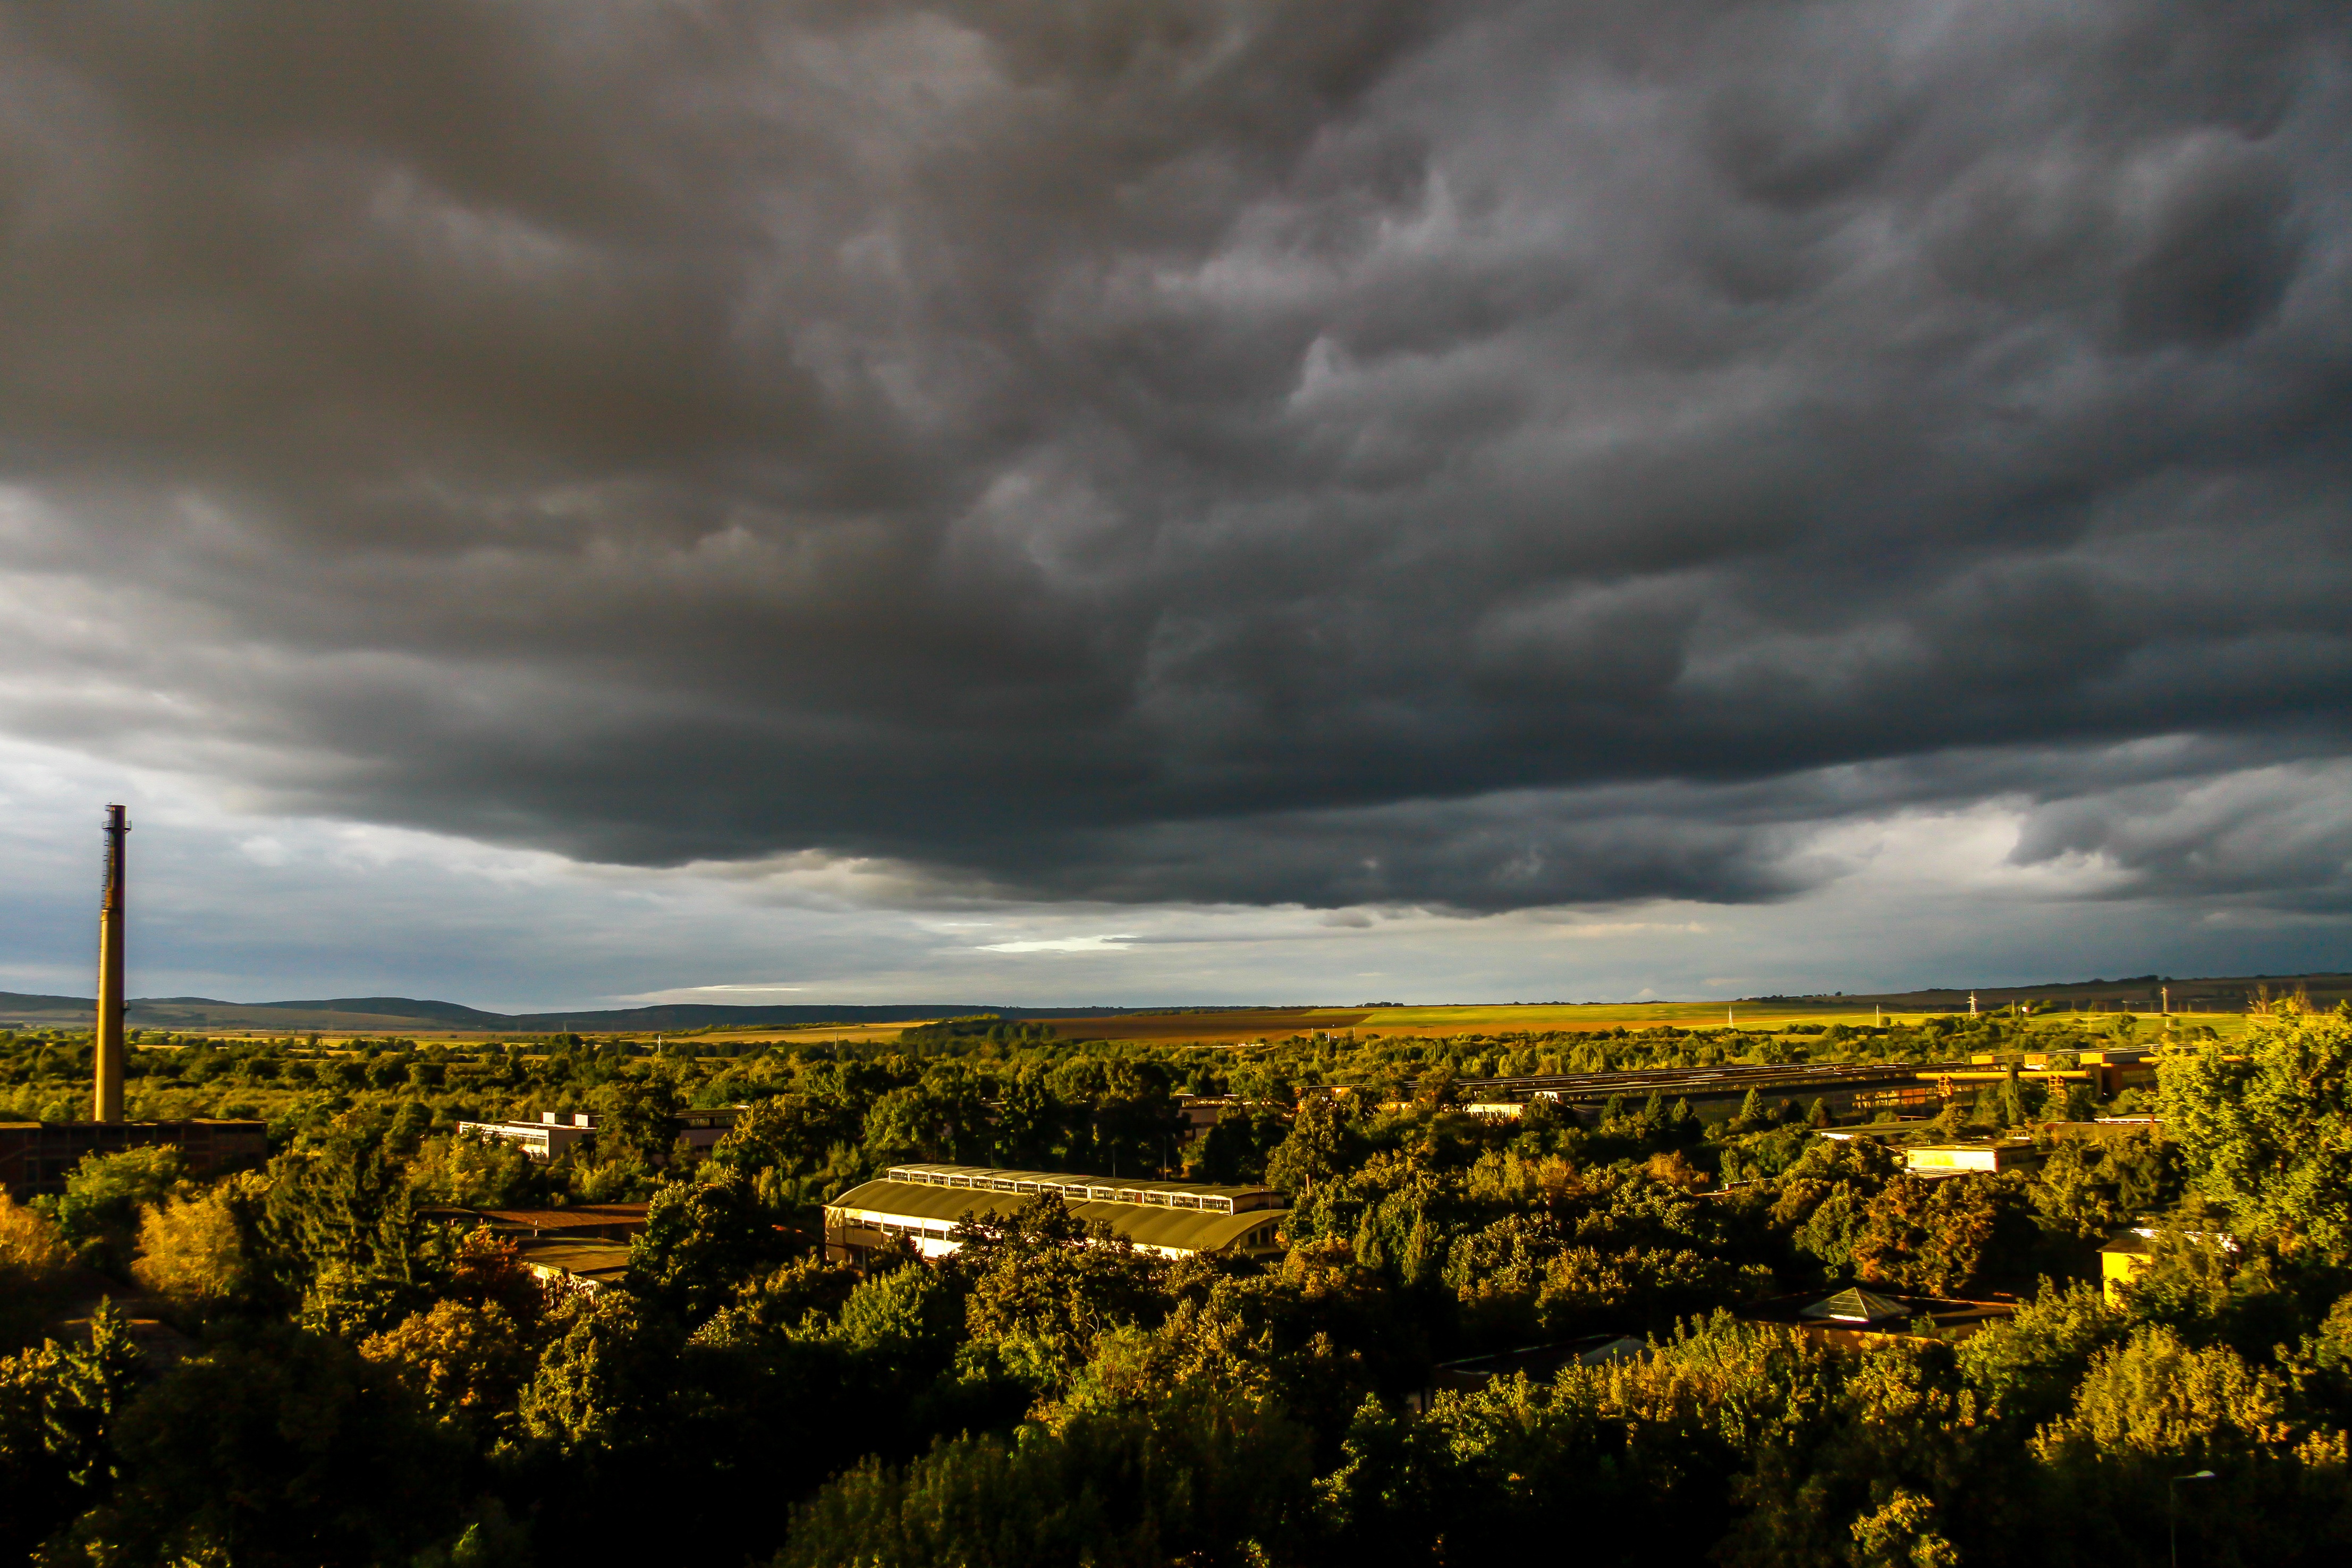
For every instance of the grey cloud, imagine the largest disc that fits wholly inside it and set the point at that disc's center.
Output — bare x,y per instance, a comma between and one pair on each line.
1466,455
2277,838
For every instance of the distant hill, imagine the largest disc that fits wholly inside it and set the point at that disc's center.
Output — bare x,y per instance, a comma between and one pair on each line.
2144,992
393,1014
384,1007
18,1007
694,1015
397,1015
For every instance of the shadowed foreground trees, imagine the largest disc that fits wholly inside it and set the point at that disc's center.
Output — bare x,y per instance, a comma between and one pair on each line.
363,1386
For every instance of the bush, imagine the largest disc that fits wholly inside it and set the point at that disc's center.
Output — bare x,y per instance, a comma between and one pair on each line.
288,1452
100,1209
34,1258
192,1251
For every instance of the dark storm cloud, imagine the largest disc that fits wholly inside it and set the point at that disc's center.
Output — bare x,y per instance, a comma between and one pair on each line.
1472,454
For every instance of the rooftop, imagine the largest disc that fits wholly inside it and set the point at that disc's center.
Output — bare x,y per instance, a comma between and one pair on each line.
936,1206
1092,1188
1857,1305
597,1262
1842,1314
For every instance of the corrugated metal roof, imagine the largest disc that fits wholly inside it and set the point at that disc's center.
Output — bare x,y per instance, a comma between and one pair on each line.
1100,1185
585,1259
1178,1229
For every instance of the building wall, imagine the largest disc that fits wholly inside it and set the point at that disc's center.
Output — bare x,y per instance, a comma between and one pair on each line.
1948,1159
557,1131
2118,1269
36,1156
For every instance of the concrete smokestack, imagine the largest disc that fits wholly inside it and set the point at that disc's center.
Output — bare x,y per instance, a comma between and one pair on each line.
107,1105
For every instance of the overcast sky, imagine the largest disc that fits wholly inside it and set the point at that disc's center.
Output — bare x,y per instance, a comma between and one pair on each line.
540,504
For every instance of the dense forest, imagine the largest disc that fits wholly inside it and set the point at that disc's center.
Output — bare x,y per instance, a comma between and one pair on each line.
356,1379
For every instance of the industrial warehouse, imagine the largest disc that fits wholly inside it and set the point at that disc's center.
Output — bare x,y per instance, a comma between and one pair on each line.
923,1203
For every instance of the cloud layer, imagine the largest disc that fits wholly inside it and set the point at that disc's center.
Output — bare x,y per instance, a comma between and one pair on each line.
1473,456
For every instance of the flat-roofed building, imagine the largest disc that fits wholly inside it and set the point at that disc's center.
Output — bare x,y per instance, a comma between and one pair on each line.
590,1264
2128,1255
1952,1159
2124,1260
575,1222
924,1203
556,1131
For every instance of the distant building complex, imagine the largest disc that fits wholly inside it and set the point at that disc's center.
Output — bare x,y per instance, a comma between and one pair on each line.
556,1131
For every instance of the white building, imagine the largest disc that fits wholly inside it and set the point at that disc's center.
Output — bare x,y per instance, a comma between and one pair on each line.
556,1131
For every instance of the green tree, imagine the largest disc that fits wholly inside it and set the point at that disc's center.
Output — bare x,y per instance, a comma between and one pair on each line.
33,1260
1315,1150
287,1451
336,1230
461,1361
2270,1137
786,1137
191,1251
474,1172
1134,1478
1937,1237
2026,1369
799,1295
1040,1280
945,1118
99,1210
705,1237
638,1122
1901,1535
601,1378
906,1320
59,1408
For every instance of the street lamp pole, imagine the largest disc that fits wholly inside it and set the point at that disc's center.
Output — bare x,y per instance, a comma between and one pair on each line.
2172,1507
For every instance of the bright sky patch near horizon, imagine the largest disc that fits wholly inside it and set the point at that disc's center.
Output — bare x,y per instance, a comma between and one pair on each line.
1181,502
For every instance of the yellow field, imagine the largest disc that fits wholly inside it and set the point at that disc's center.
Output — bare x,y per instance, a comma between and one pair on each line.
1245,1027
1535,1017
807,1034
1239,1027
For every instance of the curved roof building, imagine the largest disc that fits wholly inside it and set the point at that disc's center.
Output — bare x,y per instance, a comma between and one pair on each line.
923,1203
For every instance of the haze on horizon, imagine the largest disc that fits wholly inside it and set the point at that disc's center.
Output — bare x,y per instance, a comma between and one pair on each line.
1179,502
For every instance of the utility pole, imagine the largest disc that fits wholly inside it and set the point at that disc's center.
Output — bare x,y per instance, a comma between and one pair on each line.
2172,1507
1972,1004
107,1103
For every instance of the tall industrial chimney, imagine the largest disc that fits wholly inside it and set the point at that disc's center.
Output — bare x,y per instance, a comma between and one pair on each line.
108,1102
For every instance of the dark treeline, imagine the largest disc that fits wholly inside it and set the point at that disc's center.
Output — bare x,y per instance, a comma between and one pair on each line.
361,1382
